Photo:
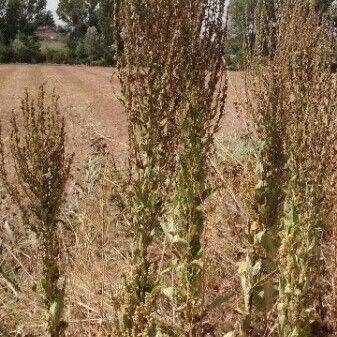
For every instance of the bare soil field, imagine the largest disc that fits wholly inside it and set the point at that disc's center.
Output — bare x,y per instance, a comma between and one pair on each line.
89,101
86,97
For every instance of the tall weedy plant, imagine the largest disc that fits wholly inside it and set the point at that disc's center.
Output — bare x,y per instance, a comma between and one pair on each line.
173,88
37,144
290,92
200,39
266,81
149,73
305,49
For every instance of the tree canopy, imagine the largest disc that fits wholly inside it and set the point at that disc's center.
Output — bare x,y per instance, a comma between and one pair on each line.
89,24
23,16
79,15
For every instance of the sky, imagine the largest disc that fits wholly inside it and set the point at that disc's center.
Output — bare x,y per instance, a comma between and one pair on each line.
52,5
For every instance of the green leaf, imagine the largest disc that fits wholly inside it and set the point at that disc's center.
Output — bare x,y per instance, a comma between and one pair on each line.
282,318
179,242
242,267
168,230
269,291
265,241
260,236
217,301
257,268
229,334
197,263
168,292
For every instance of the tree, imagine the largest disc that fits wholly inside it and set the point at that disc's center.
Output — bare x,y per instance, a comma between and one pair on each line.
323,5
92,44
49,19
23,16
241,14
2,13
107,28
79,15
25,49
104,14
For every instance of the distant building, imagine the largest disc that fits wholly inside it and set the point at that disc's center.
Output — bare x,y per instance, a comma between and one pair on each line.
49,34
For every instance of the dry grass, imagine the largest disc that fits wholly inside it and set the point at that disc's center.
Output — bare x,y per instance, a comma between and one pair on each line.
105,214
95,252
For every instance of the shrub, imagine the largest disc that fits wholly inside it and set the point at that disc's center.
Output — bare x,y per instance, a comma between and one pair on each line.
81,52
26,49
59,56
6,54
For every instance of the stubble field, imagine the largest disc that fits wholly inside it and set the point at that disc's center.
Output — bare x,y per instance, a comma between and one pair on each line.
97,256
89,98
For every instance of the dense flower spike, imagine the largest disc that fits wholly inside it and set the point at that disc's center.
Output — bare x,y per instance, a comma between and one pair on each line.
42,168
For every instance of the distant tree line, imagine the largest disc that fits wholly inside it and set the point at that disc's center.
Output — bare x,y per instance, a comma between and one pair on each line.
19,20
93,34
88,27
90,30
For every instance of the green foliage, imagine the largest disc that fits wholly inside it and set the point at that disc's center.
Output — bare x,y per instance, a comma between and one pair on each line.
58,56
25,49
89,22
81,52
22,49
2,38
105,13
241,25
6,54
55,45
92,44
22,16
19,21
75,14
